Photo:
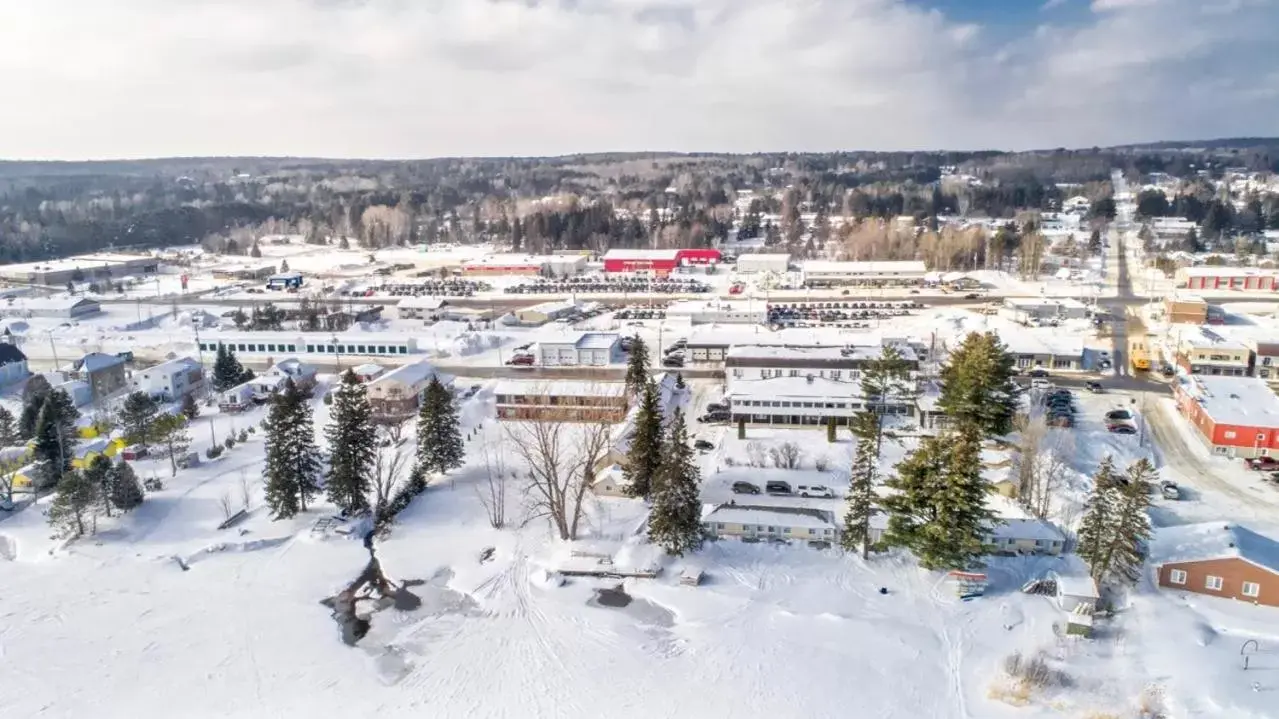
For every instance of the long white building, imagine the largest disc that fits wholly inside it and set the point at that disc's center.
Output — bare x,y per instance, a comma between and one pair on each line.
824,273
789,401
311,344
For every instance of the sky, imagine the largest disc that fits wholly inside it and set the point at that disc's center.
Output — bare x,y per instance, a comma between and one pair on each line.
87,79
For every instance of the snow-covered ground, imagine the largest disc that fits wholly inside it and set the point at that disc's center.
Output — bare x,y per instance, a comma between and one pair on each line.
112,626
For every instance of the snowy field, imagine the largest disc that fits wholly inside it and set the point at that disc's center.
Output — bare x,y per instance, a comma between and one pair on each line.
111,626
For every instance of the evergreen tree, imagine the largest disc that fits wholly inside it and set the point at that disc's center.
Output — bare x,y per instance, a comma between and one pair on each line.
190,409
55,436
637,373
9,436
136,417
33,395
352,446
439,433
1094,243
227,370
1093,540
170,432
886,381
675,521
644,455
126,491
292,463
939,510
977,386
284,266
1132,523
98,473
75,504
861,484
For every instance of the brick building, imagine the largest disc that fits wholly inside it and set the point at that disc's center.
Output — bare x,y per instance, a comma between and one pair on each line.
560,400
1217,559
1233,416
1216,277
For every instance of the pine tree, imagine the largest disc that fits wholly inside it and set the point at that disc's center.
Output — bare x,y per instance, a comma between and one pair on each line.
136,417
55,436
190,409
885,381
861,484
170,432
126,491
75,504
977,385
1093,541
352,446
1132,523
1094,243
439,434
292,464
33,395
675,521
637,373
227,370
939,510
98,473
644,455
8,429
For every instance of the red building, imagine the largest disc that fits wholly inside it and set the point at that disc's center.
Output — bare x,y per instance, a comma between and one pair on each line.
657,262
1246,279
1234,416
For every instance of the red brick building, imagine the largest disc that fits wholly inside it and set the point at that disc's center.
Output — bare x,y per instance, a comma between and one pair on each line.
1218,559
657,262
1233,416
1246,279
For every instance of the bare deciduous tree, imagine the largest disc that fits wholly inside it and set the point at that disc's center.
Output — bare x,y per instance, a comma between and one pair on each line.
756,455
388,471
560,460
392,429
1042,463
787,455
1031,431
225,502
493,492
245,494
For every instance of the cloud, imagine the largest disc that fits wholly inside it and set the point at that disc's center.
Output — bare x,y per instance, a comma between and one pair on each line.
419,78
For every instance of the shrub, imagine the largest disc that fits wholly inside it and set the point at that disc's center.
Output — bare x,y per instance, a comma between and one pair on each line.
328,398
230,442
244,436
213,452
252,430
821,463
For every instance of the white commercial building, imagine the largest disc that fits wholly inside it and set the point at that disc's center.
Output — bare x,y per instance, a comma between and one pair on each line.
1044,348
419,307
823,273
1025,309
586,349
171,380
700,312
311,344
748,362
56,307
752,263
796,401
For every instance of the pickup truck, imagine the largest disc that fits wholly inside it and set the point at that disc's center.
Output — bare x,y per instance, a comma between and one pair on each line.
1259,464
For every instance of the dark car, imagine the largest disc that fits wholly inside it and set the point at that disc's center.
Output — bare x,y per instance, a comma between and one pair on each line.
776,487
716,407
1121,429
972,296
1118,414
703,444
673,362
1094,387
1037,372
1263,463
745,488
713,417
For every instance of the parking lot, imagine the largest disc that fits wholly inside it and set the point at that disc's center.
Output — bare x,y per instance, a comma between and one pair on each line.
609,285
842,313
452,287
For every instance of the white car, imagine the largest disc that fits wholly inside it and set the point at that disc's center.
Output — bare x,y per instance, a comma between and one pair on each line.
814,490
1040,383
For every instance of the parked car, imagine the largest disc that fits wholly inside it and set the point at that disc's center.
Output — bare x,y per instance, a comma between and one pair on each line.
745,488
1167,370
713,417
777,487
1169,489
716,407
1121,429
1118,414
673,362
1262,463
521,360
1037,372
1040,384
972,296
1094,387
703,444
815,490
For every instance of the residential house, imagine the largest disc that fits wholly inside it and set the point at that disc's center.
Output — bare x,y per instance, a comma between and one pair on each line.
368,372
13,364
1076,591
1218,559
170,380
104,373
753,523
1024,536
86,452
397,394
419,307
560,400
611,482
580,349
238,398
302,374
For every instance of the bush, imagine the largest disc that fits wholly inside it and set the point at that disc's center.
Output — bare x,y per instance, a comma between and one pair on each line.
1035,671
252,430
230,442
821,463
213,452
328,398
244,436
729,462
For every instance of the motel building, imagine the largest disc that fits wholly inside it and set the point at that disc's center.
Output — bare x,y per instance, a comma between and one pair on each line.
1233,416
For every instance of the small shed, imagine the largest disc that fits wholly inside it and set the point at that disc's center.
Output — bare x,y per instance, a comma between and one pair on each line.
1079,625
691,577
1076,591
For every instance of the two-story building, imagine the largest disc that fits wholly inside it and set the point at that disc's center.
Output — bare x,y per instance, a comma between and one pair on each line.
396,395
104,374
13,364
560,400
1232,416
170,381
1203,352
836,363
755,523
799,401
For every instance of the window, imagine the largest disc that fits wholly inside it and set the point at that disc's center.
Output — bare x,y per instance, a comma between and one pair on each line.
1229,434
293,348
1213,583
1251,589
785,530
361,349
794,373
826,531
270,348
1177,576
241,348
771,530
310,349
404,350
737,372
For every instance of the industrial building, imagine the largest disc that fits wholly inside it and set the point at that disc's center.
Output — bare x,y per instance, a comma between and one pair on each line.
1214,277
584,349
81,268
824,273
527,265
701,312
544,312
312,344
1233,416
753,263
1033,309
658,262
66,308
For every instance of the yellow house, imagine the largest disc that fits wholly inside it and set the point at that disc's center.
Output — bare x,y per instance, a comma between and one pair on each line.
26,477
784,523
86,452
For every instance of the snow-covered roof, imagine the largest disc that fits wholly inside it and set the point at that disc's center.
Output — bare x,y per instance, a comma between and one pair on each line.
1244,401
47,303
367,369
641,255
1076,585
790,387
422,302
1027,529
864,351
1213,540
613,472
903,267
95,361
409,374
1222,271
1041,342
559,388
1039,302
713,336
97,444
510,260
795,517
171,366
550,308
584,340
